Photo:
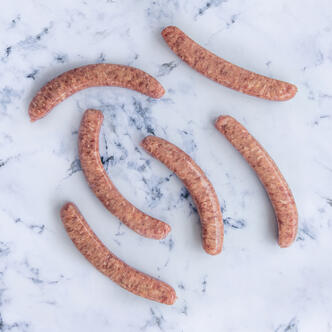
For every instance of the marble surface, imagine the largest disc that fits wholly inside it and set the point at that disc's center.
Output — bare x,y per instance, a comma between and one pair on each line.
46,285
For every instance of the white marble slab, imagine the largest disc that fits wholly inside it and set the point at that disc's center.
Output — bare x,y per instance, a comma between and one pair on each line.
46,285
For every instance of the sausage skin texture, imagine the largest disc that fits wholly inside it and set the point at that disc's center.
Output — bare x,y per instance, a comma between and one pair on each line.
103,187
275,185
104,74
107,263
224,72
198,186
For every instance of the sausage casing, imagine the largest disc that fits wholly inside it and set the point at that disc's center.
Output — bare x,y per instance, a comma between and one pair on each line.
224,72
107,263
103,74
274,183
103,187
198,186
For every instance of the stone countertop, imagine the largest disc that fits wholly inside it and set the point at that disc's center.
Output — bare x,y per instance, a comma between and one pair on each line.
253,285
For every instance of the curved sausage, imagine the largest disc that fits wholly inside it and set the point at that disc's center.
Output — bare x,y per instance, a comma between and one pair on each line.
197,184
107,263
104,74
274,183
224,72
103,187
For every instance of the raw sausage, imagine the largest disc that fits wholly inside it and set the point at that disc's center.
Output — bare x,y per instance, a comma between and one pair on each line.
107,263
276,186
224,72
197,184
103,187
104,74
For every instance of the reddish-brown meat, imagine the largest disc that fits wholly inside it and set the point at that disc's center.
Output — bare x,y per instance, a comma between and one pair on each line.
103,187
107,263
275,185
198,186
224,72
104,74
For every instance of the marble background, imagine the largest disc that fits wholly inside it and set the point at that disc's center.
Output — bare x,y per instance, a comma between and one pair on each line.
46,285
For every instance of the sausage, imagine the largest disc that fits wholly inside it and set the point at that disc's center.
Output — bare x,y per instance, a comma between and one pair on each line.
103,187
198,186
107,263
104,74
224,72
274,183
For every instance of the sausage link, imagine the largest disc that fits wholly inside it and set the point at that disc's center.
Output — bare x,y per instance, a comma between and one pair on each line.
274,183
103,187
104,74
198,186
224,72
107,263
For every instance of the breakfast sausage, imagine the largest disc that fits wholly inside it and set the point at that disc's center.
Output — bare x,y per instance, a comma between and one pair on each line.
103,187
198,186
275,185
104,74
107,263
224,72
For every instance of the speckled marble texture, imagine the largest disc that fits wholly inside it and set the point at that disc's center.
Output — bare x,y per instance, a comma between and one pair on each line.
46,284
